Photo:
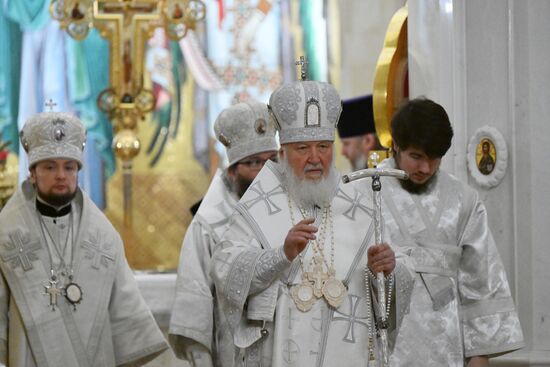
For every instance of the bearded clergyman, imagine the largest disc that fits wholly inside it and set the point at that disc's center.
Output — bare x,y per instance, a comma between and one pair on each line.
198,333
290,269
461,312
67,294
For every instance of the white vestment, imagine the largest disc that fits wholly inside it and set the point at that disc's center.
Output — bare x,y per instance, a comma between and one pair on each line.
196,317
110,326
461,304
253,279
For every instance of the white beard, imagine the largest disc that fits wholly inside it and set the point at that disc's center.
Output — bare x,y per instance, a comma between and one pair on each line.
308,193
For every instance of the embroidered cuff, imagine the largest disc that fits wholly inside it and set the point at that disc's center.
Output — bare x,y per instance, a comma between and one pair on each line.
271,263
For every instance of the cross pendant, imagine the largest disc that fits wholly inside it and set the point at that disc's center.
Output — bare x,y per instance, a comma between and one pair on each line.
317,276
53,291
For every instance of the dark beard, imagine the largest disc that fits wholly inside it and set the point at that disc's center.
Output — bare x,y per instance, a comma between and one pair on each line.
412,187
57,201
415,188
240,186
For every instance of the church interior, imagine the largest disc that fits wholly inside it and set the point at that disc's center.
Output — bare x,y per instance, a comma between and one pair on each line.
148,79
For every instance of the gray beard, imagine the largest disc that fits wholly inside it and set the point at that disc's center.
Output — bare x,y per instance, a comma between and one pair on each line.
310,193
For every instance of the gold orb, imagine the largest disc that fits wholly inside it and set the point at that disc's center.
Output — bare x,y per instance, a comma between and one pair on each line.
128,121
126,144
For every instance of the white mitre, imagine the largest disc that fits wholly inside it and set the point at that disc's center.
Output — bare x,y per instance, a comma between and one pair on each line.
53,135
306,111
246,129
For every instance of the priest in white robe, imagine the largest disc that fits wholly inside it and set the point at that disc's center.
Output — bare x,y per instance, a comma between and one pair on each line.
67,294
290,270
198,331
462,312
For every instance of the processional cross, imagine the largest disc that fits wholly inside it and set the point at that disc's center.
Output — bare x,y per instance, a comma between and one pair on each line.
375,173
127,25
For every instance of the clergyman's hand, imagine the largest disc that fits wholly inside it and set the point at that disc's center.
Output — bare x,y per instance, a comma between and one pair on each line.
298,237
381,258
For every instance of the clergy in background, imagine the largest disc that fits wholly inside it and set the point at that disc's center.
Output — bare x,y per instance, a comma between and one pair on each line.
461,311
67,294
356,131
290,269
198,331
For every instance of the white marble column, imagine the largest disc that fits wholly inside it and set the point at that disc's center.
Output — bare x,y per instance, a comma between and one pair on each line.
486,62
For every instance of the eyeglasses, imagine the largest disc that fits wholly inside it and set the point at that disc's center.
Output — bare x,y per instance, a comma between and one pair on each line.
257,162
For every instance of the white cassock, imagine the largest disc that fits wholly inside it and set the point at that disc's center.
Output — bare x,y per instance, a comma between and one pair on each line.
253,278
196,317
111,326
461,304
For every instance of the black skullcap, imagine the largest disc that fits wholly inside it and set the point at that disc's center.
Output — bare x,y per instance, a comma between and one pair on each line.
357,117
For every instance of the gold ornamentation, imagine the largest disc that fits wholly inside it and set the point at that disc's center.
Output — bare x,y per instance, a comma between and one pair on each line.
486,156
318,283
126,144
8,174
127,25
303,295
334,292
390,76
317,276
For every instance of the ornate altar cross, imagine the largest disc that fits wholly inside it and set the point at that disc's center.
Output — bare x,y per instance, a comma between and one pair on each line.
127,24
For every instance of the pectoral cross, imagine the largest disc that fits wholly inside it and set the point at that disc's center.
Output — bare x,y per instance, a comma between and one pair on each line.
303,70
53,291
317,276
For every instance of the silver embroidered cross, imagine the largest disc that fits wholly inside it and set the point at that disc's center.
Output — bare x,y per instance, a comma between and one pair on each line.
290,350
98,255
265,197
352,318
355,204
20,251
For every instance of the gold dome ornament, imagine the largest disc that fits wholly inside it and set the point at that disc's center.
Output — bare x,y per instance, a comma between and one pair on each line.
126,144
